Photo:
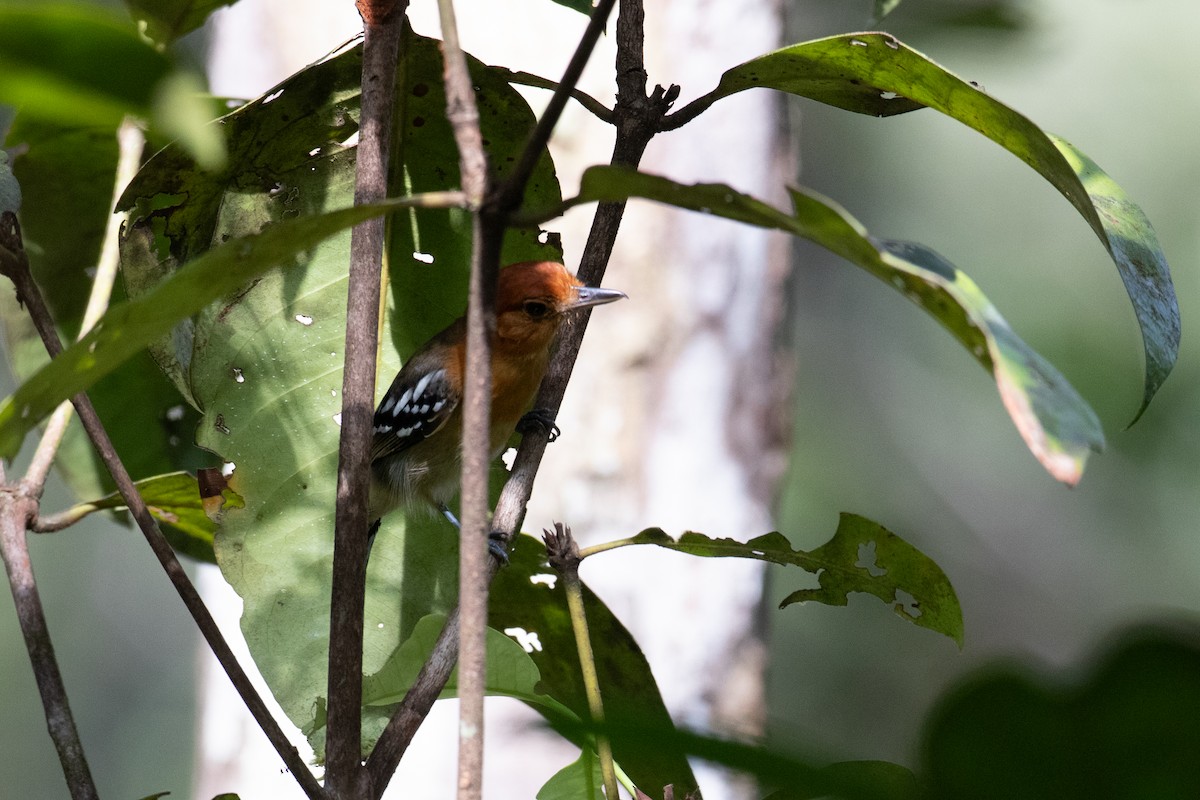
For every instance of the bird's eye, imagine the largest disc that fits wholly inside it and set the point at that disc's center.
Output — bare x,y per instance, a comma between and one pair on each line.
536,309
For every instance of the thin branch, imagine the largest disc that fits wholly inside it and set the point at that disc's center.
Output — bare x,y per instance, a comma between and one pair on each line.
15,509
512,192
463,115
130,143
345,776
598,109
415,707
30,295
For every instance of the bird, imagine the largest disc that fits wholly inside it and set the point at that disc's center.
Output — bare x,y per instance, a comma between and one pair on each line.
416,446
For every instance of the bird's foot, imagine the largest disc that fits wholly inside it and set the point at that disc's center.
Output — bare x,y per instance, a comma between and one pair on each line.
497,546
539,419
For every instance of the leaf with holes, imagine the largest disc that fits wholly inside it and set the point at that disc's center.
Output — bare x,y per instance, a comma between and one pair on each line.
862,556
265,364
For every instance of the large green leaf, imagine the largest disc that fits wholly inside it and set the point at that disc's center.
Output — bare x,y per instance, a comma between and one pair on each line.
79,65
862,556
127,328
1056,424
873,73
265,366
579,780
68,173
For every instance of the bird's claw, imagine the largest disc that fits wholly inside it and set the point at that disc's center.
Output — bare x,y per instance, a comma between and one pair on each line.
539,419
498,548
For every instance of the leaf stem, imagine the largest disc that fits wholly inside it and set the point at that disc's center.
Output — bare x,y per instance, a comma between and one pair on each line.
564,557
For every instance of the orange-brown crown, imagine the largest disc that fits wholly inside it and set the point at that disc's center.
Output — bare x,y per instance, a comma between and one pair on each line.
547,281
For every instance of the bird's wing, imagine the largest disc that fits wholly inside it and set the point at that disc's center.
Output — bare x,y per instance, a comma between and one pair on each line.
414,408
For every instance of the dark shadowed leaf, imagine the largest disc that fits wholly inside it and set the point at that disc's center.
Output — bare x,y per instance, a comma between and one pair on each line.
862,556
528,601
1130,729
1057,425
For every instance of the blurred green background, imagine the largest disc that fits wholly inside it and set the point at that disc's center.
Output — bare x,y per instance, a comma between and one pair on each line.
892,419
895,422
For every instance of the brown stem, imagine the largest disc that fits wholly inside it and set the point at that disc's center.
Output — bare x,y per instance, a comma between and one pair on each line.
30,295
345,775
15,510
463,115
638,117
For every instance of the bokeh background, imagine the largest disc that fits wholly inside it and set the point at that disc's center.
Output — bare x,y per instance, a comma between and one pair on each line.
891,419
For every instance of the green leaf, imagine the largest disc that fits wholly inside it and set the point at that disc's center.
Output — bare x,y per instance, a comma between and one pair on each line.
68,174
266,365
128,328
75,64
528,601
1055,422
81,66
582,6
1129,729
862,556
873,73
510,671
579,780
174,500
164,21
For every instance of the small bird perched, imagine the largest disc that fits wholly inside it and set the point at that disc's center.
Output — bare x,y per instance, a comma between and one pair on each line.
416,452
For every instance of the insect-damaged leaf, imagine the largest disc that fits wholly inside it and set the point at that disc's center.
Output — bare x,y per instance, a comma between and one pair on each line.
862,556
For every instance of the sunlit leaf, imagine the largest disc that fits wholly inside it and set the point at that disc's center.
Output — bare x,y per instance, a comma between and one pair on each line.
1059,428
862,556
874,73
174,500
579,780
127,328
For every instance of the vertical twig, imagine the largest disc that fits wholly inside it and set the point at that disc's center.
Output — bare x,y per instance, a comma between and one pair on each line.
463,115
15,510
563,554
490,226
345,777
